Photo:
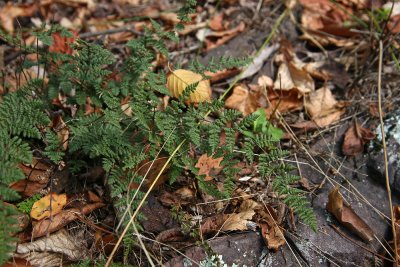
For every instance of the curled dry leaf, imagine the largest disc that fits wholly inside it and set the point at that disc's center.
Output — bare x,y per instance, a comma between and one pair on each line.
355,139
59,246
270,230
47,206
178,80
209,166
347,217
222,36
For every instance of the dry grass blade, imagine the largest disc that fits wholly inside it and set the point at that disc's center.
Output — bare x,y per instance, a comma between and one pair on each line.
385,156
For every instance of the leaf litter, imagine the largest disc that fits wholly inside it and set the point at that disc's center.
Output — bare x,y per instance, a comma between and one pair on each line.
292,91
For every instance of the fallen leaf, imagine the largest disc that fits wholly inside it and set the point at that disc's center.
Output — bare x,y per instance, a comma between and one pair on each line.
56,222
208,36
208,166
222,74
37,177
11,11
47,206
258,61
355,139
178,80
150,170
244,100
59,126
216,22
283,101
272,235
290,77
347,217
59,247
238,221
62,44
325,22
323,109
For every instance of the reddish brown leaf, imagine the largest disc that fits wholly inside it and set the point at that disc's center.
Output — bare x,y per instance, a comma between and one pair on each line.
209,166
283,101
62,44
355,139
347,217
37,176
216,22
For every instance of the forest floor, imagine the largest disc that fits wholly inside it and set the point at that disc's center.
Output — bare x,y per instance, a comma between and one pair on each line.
317,78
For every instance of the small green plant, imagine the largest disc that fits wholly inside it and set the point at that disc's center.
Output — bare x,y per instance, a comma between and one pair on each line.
122,141
26,205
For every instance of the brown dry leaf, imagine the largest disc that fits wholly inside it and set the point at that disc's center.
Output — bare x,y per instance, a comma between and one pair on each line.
238,221
59,126
222,36
290,77
271,232
323,109
82,206
222,74
283,101
209,166
325,22
47,206
11,11
178,80
216,22
272,235
151,169
244,100
347,217
38,175
355,139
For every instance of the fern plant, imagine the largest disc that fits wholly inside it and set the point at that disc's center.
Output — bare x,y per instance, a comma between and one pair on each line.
122,141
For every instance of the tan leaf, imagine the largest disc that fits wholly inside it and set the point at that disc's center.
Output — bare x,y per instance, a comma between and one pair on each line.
81,204
291,77
322,107
238,221
11,11
355,139
273,236
178,80
209,166
347,217
50,225
47,206
59,126
244,100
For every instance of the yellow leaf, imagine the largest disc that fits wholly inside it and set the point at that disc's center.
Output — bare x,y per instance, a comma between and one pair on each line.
178,80
48,206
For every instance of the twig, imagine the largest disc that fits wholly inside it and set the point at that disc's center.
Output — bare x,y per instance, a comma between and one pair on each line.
385,157
110,31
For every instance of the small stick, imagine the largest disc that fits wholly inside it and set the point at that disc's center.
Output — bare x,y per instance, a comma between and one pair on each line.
385,157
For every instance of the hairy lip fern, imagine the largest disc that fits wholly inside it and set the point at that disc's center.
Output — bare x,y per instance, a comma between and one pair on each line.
121,142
